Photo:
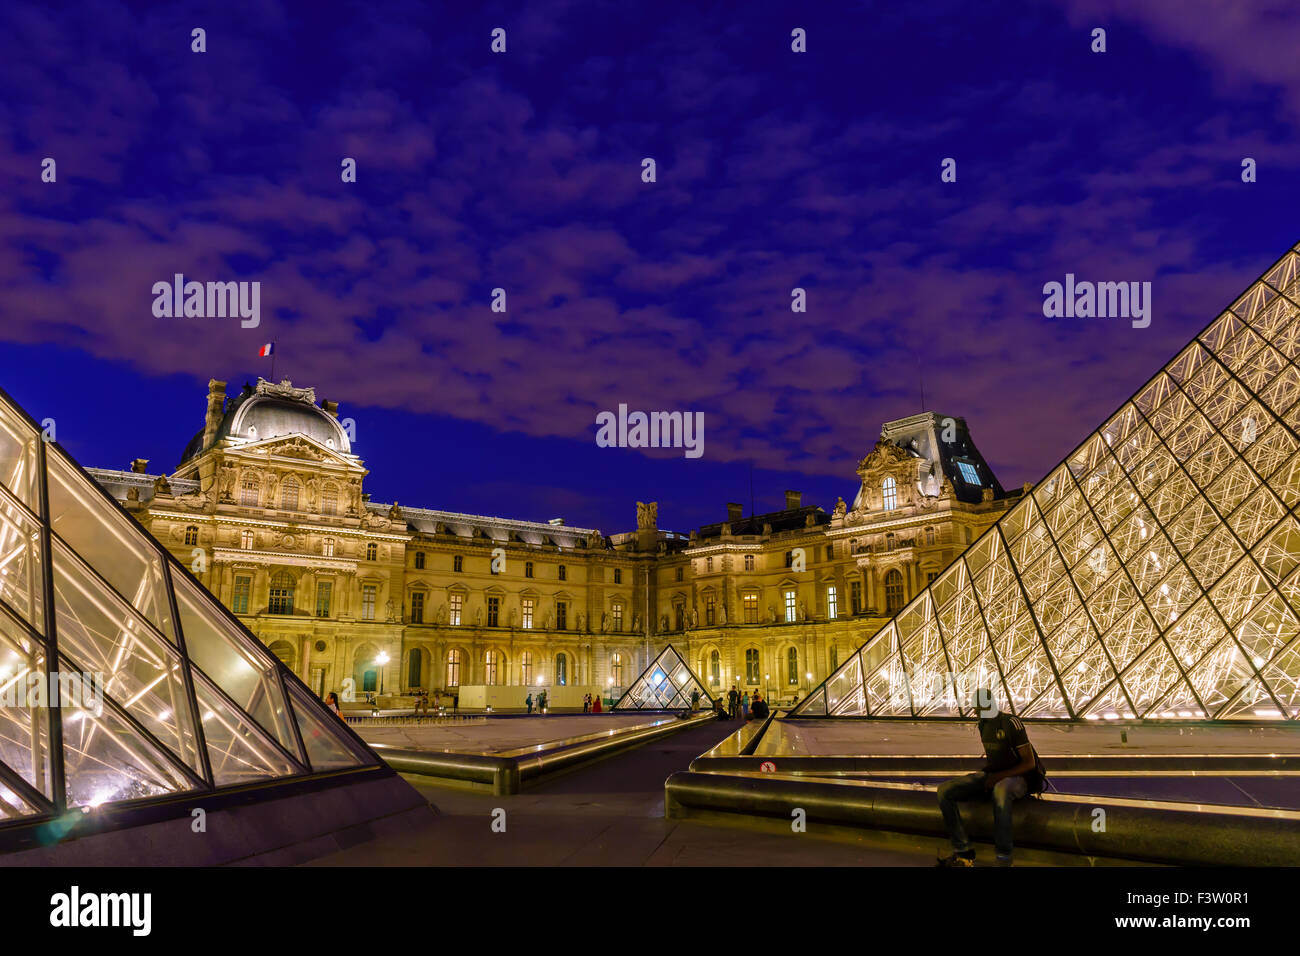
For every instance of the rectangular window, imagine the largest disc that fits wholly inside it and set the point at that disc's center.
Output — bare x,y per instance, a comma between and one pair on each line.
243,587
494,611
456,601
528,612
750,603
791,608
679,615
830,552
246,540
457,563
561,615
708,565
618,575
855,597
832,603
564,573
417,607
789,559
368,592
680,573
968,473
528,569
618,617
749,562
710,607
930,576
323,589
419,560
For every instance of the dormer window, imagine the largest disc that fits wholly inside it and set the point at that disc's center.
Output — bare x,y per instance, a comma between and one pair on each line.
889,492
968,473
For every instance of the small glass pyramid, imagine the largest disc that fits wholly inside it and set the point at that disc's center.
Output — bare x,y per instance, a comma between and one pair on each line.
158,690
665,685
1155,573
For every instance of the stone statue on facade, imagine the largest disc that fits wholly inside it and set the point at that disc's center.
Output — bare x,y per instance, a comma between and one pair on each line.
388,609
663,623
647,515
840,508
442,614
512,617
803,610
581,620
478,617
771,614
722,614
693,617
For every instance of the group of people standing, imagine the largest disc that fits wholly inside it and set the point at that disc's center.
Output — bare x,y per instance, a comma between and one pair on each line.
591,704
541,702
739,704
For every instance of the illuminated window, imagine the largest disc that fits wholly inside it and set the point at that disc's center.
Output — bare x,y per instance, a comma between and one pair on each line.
289,494
323,589
791,609
491,660
616,669
715,668
243,587
327,547
372,551
368,593
889,490
248,492
968,473
561,669
526,668
528,604
751,665
750,604
893,591
281,593
618,616
453,668
192,534
832,603
456,602
792,666
246,540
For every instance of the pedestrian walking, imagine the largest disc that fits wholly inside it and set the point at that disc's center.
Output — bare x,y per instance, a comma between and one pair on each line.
744,707
528,702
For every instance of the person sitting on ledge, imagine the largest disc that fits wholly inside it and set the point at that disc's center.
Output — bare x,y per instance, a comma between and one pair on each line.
1011,770
758,710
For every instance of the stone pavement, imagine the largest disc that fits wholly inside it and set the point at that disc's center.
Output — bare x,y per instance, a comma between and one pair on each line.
610,813
497,734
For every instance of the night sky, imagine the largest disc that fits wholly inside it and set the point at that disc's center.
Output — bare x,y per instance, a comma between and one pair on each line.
522,170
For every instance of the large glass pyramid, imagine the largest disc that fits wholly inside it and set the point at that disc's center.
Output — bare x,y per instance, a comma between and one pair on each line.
665,685
121,679
1153,574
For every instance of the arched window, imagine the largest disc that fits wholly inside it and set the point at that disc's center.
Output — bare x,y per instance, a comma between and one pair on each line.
893,592
526,668
289,494
751,665
372,551
329,500
889,491
715,668
281,593
792,666
327,547
415,669
191,534
616,669
453,668
491,660
561,669
248,492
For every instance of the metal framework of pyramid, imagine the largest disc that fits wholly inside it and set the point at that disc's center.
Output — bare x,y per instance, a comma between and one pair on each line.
1155,573
123,681
665,685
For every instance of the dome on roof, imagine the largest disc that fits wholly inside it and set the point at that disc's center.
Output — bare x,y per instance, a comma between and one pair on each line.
275,411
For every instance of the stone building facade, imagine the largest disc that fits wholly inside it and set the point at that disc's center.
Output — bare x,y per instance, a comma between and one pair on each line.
268,510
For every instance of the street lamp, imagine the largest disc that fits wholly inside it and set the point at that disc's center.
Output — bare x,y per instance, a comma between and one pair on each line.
381,659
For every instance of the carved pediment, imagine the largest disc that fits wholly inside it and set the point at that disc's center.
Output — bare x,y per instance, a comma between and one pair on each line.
296,448
883,457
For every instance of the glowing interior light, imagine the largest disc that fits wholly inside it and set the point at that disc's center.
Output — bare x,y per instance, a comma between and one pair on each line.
1267,712
103,796
1111,716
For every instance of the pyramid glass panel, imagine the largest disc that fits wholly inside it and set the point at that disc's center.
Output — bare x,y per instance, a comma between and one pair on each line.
666,684
1154,573
143,709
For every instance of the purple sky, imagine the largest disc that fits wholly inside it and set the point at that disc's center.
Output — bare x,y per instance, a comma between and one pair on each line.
522,170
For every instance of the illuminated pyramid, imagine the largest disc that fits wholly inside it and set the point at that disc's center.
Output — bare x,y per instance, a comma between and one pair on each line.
161,692
1155,573
665,685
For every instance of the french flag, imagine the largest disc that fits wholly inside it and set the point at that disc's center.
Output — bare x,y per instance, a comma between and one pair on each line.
266,349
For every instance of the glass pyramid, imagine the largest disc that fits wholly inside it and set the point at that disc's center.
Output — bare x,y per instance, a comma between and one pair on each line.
1155,573
665,685
157,690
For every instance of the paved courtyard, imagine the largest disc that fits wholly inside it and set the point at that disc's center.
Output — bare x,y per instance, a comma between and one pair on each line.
500,735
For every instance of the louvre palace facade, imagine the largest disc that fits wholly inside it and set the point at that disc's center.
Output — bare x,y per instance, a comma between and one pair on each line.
269,509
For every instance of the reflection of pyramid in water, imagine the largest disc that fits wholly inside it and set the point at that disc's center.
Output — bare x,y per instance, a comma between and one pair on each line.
665,685
191,701
1154,573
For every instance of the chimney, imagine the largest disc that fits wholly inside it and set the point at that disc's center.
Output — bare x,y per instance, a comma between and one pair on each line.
793,500
331,409
216,403
735,511
140,465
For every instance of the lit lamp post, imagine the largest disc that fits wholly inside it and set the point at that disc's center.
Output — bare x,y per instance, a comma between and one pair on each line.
767,686
381,659
541,684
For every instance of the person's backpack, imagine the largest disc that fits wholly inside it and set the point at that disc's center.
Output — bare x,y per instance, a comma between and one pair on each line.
1042,774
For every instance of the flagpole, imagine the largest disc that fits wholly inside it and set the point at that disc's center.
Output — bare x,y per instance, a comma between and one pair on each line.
272,363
